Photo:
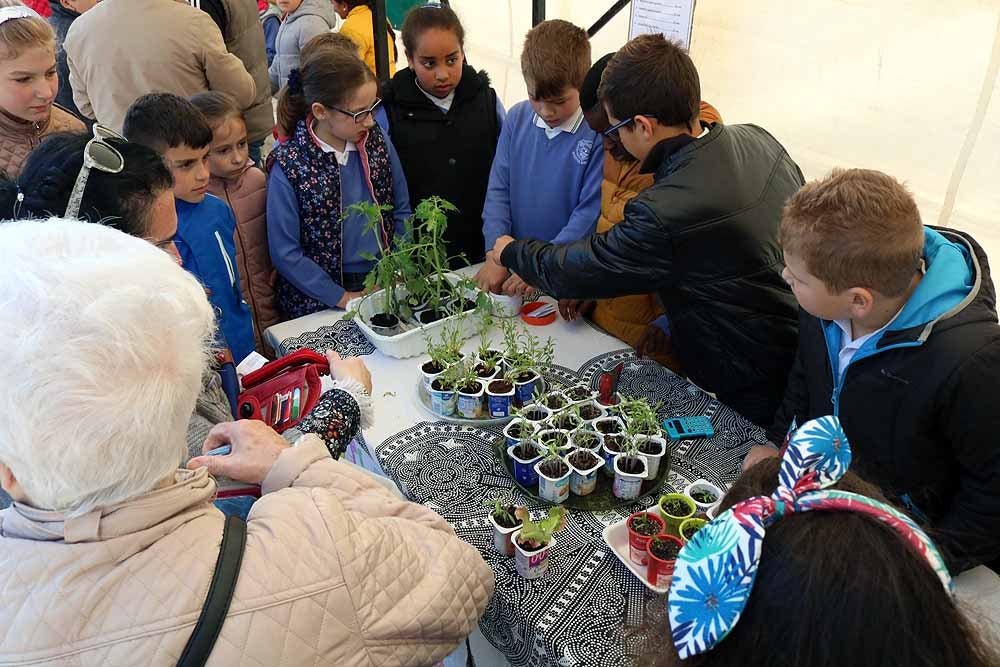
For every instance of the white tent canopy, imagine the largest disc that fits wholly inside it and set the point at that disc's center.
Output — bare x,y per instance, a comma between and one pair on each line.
907,87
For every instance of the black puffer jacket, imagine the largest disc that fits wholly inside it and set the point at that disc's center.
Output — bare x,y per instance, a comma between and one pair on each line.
704,236
920,407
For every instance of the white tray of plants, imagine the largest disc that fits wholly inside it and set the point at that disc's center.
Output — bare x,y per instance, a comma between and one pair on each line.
411,293
487,388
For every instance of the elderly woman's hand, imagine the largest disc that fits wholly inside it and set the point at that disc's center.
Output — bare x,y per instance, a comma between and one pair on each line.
349,368
255,448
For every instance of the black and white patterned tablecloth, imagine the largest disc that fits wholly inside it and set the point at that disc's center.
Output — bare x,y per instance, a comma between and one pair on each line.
344,336
579,613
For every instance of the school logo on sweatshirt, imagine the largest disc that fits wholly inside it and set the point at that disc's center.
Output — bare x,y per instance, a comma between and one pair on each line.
582,151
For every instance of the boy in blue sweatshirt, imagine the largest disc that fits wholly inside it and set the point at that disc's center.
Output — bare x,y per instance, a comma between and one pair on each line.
174,128
545,182
898,336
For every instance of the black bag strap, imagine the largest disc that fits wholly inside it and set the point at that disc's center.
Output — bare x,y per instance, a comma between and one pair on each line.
220,594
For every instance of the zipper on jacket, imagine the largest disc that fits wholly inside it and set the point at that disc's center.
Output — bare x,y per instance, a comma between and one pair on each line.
253,301
229,268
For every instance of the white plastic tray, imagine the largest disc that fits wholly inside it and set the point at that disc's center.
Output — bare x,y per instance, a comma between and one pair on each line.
410,342
616,535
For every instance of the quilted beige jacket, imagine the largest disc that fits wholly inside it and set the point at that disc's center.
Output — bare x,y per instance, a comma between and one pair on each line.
336,571
19,137
247,196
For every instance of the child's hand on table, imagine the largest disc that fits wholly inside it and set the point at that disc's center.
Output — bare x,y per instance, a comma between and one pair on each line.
491,276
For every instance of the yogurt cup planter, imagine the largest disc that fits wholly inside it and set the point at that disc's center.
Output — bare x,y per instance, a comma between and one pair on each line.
429,370
506,306
442,399
501,533
609,425
499,398
652,448
590,411
525,385
614,444
519,430
555,401
630,473
566,421
553,479
558,438
689,527
470,401
704,494
662,551
586,438
531,564
585,465
642,527
579,394
484,373
535,413
675,508
524,466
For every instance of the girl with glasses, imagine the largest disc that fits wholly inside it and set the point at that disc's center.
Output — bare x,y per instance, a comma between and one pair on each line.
335,156
28,86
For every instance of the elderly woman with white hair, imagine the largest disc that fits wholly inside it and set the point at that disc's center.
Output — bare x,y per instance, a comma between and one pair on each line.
109,551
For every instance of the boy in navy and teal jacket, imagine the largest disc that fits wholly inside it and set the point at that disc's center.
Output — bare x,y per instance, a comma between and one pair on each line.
910,368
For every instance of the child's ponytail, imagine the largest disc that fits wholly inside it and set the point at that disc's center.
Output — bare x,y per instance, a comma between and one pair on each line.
327,76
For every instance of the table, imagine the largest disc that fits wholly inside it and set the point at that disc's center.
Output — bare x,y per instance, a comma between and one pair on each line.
580,612
573,616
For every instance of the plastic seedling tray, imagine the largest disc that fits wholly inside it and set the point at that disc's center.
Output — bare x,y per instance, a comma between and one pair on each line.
410,341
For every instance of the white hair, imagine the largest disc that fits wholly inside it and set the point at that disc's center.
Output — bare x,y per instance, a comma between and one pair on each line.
105,338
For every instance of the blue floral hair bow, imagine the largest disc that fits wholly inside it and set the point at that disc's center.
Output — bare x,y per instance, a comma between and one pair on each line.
715,571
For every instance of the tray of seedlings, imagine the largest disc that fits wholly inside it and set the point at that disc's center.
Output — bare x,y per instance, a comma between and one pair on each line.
565,447
486,387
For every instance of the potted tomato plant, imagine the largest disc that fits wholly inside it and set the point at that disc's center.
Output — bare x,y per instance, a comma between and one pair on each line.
662,550
642,526
675,508
585,464
553,475
504,521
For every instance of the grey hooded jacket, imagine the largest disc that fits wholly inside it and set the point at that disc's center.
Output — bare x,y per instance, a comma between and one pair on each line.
313,17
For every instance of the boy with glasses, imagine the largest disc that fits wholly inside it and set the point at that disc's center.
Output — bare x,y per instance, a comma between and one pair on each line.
175,129
704,235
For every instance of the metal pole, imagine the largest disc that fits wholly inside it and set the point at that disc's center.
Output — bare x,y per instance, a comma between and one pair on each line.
537,11
608,15
379,20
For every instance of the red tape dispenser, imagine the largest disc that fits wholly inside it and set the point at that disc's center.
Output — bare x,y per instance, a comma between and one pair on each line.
282,392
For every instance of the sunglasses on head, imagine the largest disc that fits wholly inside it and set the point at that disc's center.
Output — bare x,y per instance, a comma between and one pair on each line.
97,154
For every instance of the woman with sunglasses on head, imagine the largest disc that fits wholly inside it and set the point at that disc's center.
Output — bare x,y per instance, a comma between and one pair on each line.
29,84
335,156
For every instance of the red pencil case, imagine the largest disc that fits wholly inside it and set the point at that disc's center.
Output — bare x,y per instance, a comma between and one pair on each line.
282,392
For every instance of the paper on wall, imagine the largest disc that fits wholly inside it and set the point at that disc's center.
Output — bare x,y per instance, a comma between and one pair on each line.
673,18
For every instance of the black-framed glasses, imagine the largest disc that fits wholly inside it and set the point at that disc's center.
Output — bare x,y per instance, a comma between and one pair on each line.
613,130
360,116
97,154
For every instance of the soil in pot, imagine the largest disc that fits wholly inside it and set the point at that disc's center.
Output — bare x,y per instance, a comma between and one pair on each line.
526,451
578,393
644,525
387,320
676,507
589,412
501,386
471,388
431,367
631,466
535,415
439,385
554,468
484,371
519,430
609,427
554,402
650,447
566,422
530,547
585,440
664,549
690,530
429,316
615,443
583,460
557,440
704,497
525,376
502,519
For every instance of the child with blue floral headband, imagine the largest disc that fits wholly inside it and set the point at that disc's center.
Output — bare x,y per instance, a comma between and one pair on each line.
808,565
